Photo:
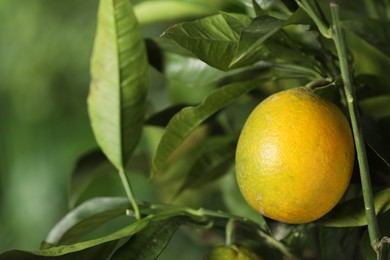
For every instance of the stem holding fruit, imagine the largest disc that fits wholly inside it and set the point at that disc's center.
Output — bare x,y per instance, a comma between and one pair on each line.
339,40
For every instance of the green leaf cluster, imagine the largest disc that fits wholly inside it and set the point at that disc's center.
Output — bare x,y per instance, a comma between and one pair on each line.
167,111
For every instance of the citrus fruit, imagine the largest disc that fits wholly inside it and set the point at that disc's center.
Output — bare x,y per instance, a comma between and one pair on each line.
233,252
295,156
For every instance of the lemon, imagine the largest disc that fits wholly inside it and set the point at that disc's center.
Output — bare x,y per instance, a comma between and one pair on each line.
295,156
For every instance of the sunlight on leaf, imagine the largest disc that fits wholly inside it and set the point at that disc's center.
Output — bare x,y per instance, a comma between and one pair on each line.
119,81
227,41
101,251
85,218
252,38
212,39
79,249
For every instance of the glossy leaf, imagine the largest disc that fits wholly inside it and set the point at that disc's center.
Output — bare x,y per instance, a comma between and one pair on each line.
179,65
88,168
184,122
212,164
250,46
169,10
257,8
176,63
275,7
352,214
190,70
212,39
79,249
85,218
119,81
225,41
150,242
375,32
101,251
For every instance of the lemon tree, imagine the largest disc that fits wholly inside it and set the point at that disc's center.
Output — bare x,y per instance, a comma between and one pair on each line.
238,129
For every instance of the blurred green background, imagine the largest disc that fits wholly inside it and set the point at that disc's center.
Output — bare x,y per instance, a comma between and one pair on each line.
45,48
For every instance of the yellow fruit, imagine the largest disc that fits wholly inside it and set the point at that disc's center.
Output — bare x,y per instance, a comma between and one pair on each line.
233,252
295,156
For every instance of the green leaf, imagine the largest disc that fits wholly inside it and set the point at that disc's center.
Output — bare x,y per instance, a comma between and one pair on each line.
150,242
274,7
85,218
89,167
169,10
257,8
102,251
179,65
376,107
77,251
190,70
352,214
212,164
184,122
299,17
119,81
375,32
250,47
226,42
212,39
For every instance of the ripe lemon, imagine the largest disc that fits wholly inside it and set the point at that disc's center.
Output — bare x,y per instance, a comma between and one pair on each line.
233,252
295,156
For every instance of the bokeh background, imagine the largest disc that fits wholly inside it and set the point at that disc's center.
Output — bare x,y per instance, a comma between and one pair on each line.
45,48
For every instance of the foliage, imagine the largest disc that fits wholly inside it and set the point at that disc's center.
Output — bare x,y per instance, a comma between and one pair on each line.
171,108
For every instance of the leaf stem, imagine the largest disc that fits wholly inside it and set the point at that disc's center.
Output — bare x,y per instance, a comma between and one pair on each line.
339,40
316,16
126,184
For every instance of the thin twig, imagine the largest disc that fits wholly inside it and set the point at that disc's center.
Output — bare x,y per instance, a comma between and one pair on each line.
339,40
